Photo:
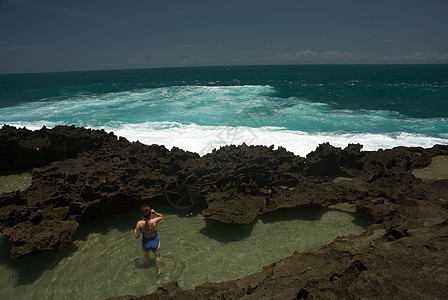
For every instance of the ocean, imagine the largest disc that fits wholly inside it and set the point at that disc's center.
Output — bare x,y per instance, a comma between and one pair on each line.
200,109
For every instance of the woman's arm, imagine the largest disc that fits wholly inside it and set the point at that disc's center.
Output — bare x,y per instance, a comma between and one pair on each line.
159,216
137,231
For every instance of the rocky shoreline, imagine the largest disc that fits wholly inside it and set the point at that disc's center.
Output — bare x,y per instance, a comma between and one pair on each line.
81,174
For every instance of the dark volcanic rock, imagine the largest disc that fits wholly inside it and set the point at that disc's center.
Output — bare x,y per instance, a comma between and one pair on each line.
81,174
24,149
324,161
105,176
50,234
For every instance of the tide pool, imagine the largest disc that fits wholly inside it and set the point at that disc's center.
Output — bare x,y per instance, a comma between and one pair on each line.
11,181
437,169
106,260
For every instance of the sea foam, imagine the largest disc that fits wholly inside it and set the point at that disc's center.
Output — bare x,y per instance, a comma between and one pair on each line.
203,139
203,118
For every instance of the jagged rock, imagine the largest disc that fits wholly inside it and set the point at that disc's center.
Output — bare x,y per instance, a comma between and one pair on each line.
48,234
81,174
324,161
25,149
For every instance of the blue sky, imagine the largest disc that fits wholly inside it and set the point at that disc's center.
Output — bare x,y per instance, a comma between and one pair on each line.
45,36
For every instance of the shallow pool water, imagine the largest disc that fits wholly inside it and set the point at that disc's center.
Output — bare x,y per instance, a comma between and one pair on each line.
14,181
437,169
106,259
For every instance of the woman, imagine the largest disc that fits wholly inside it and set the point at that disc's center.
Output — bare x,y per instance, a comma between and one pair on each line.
148,228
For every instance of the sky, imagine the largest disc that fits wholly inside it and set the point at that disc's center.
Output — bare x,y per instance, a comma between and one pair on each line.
61,35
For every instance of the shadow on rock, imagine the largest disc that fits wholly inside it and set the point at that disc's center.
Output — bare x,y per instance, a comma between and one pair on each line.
290,214
360,221
226,233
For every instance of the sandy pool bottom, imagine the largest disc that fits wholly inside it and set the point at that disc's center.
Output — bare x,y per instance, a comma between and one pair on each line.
12,181
437,169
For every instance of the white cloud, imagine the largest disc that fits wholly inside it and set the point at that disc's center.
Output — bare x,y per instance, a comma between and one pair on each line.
306,53
322,55
419,56
341,54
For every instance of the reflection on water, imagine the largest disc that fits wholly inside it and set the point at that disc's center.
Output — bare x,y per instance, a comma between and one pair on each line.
437,169
14,181
106,259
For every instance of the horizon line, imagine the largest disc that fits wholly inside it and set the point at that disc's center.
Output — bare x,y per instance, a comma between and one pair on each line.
220,66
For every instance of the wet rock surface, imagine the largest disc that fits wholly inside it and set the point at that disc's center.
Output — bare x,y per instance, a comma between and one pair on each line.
81,174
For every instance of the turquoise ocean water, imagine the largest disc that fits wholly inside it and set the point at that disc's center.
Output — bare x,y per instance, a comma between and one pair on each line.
202,108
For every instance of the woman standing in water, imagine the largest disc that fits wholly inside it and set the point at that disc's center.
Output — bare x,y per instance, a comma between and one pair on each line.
148,228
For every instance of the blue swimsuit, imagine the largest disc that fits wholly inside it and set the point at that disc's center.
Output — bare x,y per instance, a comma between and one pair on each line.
150,243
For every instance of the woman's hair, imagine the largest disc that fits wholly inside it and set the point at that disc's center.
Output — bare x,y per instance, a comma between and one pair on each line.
146,211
